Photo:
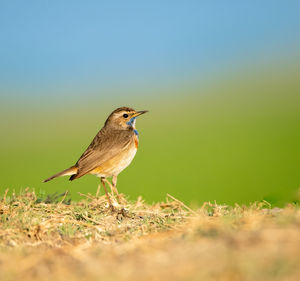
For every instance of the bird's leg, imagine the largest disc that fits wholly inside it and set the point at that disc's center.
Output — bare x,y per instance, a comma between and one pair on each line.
113,188
114,184
103,183
110,185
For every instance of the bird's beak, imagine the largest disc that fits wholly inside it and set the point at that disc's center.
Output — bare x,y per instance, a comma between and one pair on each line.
138,113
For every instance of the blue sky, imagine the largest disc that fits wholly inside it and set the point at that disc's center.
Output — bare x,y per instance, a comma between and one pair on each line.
47,46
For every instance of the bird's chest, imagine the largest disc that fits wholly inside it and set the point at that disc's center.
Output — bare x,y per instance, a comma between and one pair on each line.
124,159
119,162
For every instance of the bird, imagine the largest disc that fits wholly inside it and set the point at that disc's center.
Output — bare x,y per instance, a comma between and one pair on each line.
110,152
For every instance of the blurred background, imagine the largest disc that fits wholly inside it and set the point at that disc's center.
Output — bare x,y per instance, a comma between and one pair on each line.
221,81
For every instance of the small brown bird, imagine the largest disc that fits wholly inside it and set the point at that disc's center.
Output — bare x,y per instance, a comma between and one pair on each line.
111,150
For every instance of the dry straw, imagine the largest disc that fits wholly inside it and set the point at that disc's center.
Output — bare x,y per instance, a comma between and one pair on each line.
54,239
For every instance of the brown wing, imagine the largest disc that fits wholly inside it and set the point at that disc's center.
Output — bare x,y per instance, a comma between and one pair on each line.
105,145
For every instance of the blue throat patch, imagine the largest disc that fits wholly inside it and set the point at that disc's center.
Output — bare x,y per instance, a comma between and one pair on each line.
130,123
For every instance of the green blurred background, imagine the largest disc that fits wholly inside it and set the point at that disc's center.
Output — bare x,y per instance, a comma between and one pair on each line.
237,141
223,121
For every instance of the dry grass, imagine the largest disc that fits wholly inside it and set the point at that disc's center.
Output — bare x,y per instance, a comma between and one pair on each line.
51,239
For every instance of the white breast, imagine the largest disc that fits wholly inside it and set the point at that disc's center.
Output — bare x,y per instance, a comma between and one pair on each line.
124,161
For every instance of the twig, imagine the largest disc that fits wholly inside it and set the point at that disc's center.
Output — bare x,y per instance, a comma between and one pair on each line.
181,203
63,199
98,190
85,195
90,219
5,194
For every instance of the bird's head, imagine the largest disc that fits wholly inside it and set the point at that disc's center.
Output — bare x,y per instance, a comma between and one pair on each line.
123,118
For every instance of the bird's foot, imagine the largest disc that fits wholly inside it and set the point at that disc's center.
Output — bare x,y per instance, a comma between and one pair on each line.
122,213
112,208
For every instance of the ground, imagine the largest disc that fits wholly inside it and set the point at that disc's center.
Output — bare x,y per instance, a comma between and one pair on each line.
55,239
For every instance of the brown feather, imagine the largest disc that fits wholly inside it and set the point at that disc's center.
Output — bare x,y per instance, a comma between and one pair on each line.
66,172
123,108
107,144
116,139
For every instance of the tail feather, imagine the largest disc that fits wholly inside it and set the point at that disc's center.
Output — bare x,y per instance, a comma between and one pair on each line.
67,172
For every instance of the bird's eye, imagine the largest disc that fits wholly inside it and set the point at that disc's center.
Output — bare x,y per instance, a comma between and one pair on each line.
125,115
